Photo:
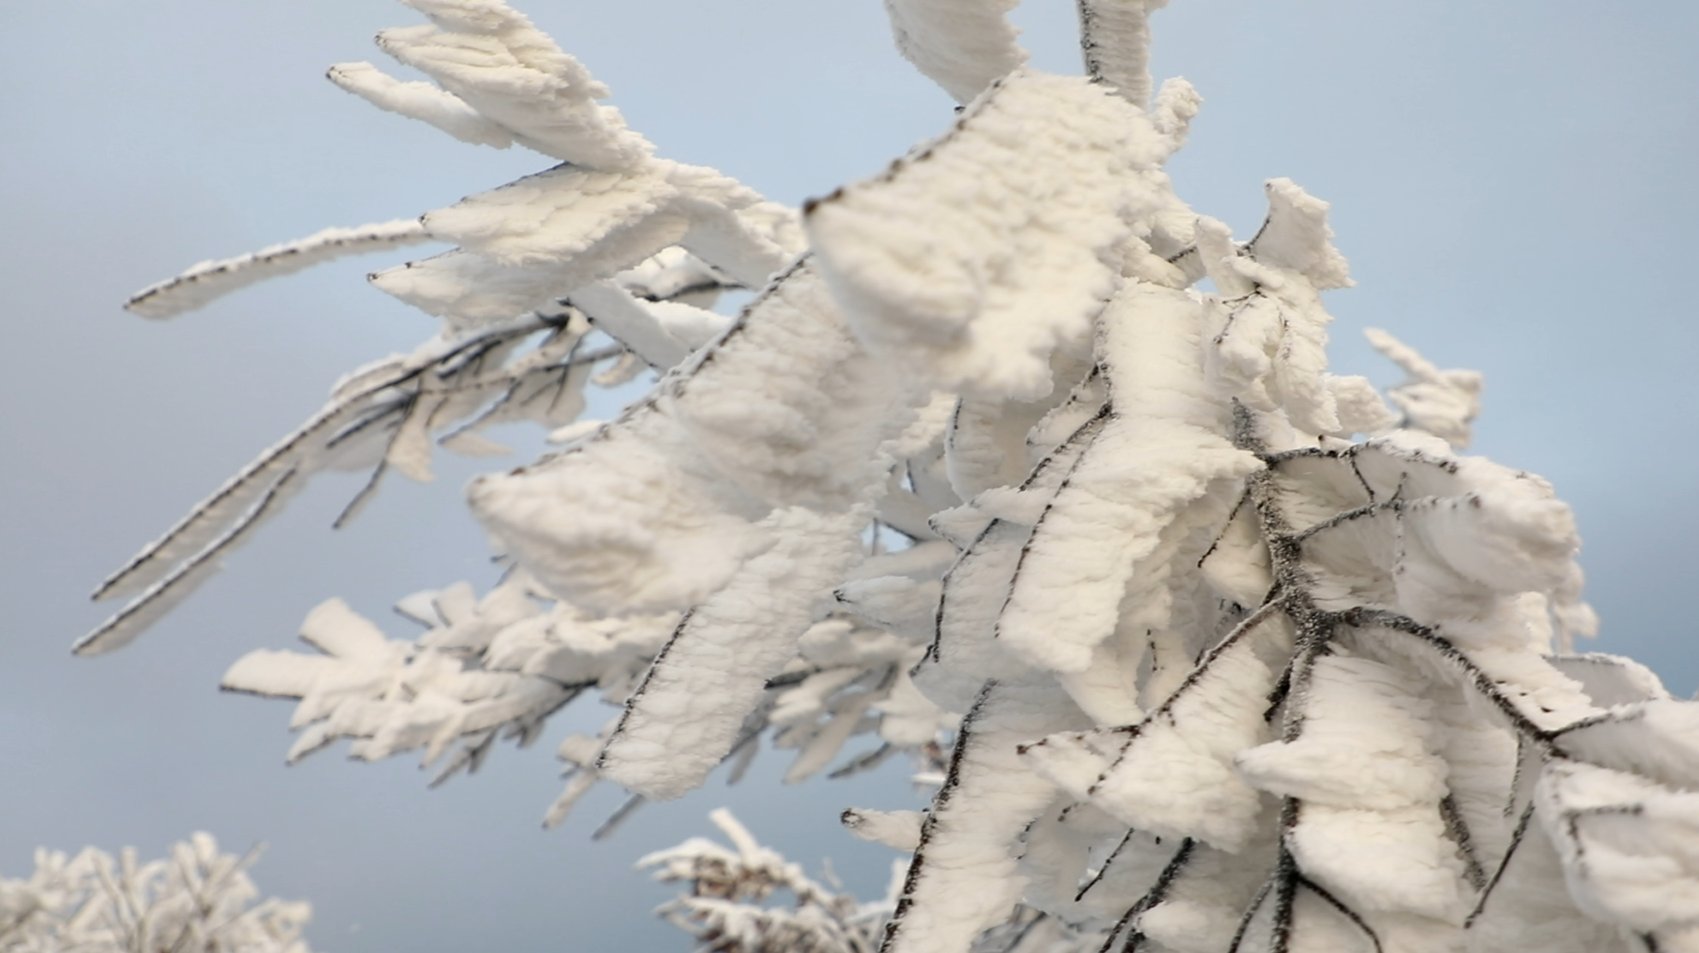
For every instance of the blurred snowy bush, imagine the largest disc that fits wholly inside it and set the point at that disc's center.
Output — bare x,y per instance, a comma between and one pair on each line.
195,900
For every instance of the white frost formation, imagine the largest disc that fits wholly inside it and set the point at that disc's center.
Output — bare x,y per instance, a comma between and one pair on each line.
196,900
1231,654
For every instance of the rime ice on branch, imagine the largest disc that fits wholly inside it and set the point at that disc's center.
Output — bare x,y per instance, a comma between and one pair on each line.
1230,654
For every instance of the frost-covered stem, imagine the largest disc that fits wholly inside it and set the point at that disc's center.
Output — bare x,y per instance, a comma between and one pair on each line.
631,702
1285,880
1315,630
1106,413
1503,865
1157,893
1164,882
1285,551
1291,592
515,381
1458,830
929,826
866,762
1081,433
285,456
1326,896
1103,868
1480,681
625,810
1264,612
1026,928
1249,915
199,899
1393,505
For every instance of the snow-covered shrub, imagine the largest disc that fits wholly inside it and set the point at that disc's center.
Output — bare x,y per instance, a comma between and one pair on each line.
1230,654
196,900
749,898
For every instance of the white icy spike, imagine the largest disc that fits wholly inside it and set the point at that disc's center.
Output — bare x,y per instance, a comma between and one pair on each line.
541,237
620,315
1271,336
489,667
1443,403
962,45
898,830
422,101
581,221
1296,237
210,280
623,520
491,58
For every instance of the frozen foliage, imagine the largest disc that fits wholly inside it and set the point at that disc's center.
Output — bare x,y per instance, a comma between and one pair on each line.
196,900
1206,648
727,904
749,899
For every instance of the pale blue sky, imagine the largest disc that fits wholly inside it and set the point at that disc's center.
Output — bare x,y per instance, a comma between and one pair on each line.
1511,181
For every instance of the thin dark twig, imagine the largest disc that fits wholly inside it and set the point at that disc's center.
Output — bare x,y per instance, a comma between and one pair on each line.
1457,828
1356,919
1510,852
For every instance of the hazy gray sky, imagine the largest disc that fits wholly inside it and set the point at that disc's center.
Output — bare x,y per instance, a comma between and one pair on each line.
1511,181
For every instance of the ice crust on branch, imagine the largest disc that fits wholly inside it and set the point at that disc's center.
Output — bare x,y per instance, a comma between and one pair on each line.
1204,648
673,734
1115,42
1103,529
210,280
975,259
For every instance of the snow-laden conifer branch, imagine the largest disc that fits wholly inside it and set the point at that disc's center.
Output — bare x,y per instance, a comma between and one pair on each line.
1231,653
621,219
498,666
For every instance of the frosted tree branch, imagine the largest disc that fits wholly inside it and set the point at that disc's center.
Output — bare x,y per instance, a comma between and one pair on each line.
1204,647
